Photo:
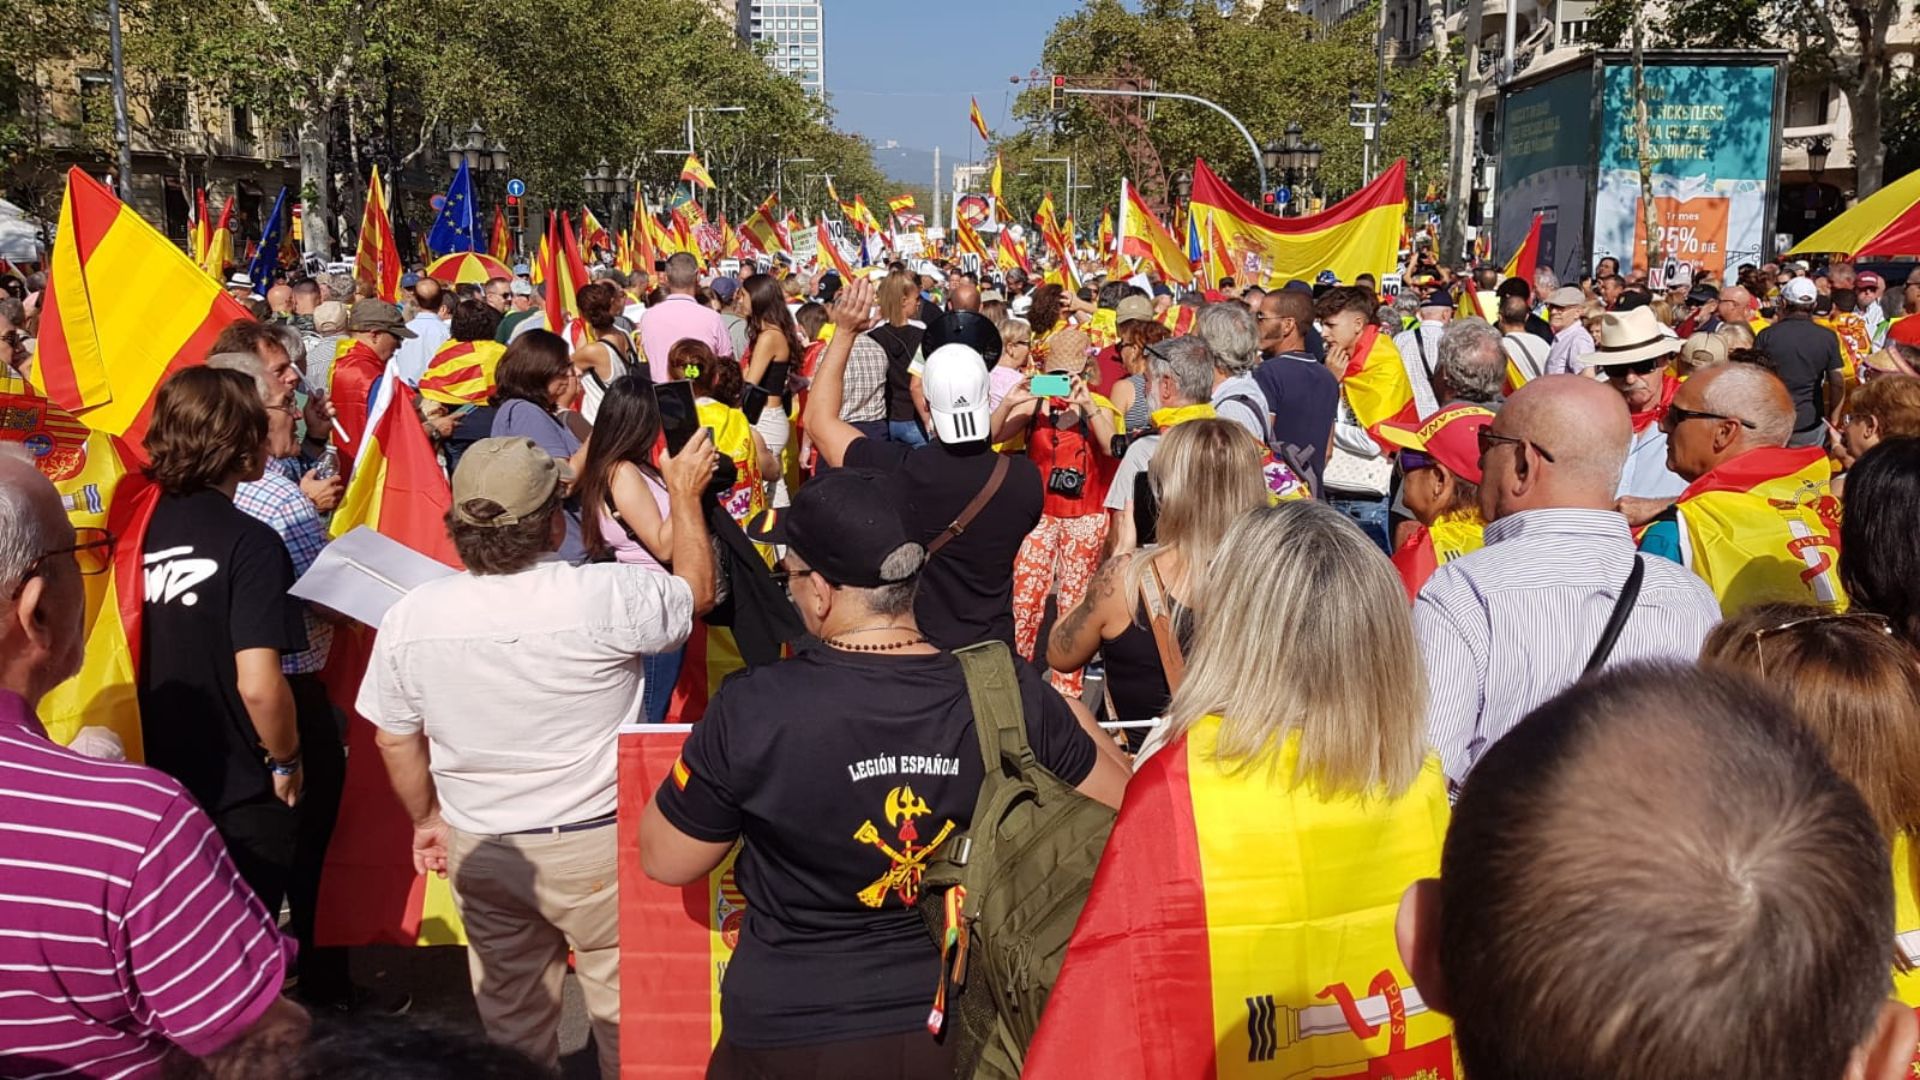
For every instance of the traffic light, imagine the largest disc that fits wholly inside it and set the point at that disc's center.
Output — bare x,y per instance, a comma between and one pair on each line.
1057,97
1268,198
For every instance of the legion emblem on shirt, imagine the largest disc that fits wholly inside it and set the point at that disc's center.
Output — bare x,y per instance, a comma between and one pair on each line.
906,854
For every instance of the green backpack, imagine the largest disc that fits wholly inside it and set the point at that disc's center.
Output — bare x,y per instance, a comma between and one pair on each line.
1003,897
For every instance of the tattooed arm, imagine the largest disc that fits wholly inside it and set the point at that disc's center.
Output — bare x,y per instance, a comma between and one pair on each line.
1101,614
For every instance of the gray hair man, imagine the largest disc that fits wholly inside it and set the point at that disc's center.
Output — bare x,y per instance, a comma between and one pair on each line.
1232,336
1180,374
1471,366
1504,628
194,965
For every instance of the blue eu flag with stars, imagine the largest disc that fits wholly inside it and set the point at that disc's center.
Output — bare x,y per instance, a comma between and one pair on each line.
266,258
453,230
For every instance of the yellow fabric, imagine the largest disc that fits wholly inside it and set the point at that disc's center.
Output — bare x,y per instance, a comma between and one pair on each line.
733,436
1456,534
1379,390
1180,414
1778,541
477,367
1856,344
1868,218
1368,244
1906,920
1142,234
1302,893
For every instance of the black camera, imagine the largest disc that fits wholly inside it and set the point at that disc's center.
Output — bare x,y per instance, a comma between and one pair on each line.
1066,483
1123,441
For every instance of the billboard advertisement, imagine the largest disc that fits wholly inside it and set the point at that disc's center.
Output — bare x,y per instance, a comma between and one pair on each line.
1712,134
1546,168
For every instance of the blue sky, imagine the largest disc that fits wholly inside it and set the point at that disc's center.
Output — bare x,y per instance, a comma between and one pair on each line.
904,70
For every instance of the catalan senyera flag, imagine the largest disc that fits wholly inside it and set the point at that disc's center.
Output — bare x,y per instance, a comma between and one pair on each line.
1763,527
695,173
124,308
1360,234
85,466
1000,211
1254,976
462,372
369,893
499,239
1375,382
1043,217
675,941
1527,256
979,122
377,262
537,272
623,251
1143,236
968,239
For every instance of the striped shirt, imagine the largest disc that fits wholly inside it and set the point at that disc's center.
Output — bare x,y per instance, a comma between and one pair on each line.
1504,628
124,929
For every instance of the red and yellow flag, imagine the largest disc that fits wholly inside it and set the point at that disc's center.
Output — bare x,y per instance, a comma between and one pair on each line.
1357,235
979,122
1000,211
200,229
695,173
1764,527
593,235
377,262
900,204
461,372
1011,254
1142,236
1527,257
219,250
123,309
1275,908
1375,382
500,240
564,272
369,893
765,229
968,239
831,251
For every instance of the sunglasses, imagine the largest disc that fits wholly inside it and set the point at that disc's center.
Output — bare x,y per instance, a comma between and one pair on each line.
1488,440
1415,460
1675,416
1880,623
1643,367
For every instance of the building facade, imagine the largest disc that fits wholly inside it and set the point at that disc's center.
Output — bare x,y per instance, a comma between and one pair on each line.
796,31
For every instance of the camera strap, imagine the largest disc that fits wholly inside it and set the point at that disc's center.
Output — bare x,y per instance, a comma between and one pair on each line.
985,495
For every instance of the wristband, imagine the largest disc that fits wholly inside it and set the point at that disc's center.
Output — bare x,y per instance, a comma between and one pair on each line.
284,768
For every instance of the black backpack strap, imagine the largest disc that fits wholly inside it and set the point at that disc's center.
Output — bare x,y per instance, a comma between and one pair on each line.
1622,607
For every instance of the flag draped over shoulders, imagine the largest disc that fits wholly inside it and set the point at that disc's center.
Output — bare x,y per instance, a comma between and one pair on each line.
1375,381
1765,526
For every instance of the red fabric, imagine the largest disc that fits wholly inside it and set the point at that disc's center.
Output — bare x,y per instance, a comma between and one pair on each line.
351,388
1051,448
1123,962
1109,371
1905,330
1745,471
1671,387
1416,561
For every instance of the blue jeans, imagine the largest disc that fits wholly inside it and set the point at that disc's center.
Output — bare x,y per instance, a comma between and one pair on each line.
906,431
1370,515
662,670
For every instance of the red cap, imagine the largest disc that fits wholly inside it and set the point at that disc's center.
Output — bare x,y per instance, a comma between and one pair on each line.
1450,437
1867,277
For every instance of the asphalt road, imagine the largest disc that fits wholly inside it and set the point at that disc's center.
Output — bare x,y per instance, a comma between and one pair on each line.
437,979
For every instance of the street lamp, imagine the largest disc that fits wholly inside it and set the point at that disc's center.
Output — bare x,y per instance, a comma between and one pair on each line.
1183,185
1817,152
467,148
1293,160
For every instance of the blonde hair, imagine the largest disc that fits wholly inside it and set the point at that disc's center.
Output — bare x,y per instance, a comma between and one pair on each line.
1738,335
1204,474
893,292
1304,627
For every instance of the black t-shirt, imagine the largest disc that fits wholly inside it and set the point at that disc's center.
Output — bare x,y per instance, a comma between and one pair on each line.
901,344
1803,352
834,767
966,591
216,583
1303,396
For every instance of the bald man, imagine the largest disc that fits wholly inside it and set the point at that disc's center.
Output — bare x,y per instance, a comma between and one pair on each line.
1736,306
1758,521
963,295
1505,628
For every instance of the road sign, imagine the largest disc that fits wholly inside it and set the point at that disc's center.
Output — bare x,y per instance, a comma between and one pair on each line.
1283,195
438,202
516,188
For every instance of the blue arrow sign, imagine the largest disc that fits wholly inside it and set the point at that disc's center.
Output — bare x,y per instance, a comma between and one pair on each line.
516,188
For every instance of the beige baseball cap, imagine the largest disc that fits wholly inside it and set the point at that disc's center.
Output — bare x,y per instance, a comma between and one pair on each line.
512,473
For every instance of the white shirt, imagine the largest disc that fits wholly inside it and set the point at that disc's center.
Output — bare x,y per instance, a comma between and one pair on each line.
1410,342
415,353
1646,475
521,683
1528,352
1569,346
1504,628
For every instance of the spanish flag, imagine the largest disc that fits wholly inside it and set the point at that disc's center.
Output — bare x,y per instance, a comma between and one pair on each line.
900,204
564,274
200,229
123,309
1357,235
830,252
219,249
1000,211
1375,382
1011,254
1142,236
86,468
1104,239
979,122
695,173
369,893
500,241
1242,926
1765,527
593,235
1527,257
765,229
377,262
461,372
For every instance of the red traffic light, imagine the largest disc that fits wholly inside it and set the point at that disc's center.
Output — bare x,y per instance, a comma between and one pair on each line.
1059,81
1268,198
513,200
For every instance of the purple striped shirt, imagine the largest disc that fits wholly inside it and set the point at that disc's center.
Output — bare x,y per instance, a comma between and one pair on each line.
124,928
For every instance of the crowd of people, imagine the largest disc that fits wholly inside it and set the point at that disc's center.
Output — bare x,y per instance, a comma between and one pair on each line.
1590,670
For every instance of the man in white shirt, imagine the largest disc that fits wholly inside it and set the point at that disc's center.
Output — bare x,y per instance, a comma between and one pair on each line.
1566,307
1526,351
1420,347
430,329
519,674
1505,628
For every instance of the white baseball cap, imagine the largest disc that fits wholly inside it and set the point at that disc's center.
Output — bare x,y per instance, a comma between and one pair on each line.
955,381
1799,291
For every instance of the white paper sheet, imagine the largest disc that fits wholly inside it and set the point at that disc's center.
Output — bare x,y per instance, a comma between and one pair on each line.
363,573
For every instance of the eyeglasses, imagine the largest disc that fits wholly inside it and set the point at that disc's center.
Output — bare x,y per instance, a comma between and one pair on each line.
1488,440
92,551
1644,367
1880,623
1675,416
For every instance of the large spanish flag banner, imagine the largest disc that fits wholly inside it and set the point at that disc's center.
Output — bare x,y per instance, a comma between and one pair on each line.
675,942
369,893
1360,234
123,309
1143,236
1886,222
1242,926
85,467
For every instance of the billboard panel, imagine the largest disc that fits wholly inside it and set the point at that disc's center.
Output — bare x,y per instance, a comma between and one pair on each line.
1546,167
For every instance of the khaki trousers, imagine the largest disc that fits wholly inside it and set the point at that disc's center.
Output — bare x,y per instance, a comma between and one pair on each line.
525,900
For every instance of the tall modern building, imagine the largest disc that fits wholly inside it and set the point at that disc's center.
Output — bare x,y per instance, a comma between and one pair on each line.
797,30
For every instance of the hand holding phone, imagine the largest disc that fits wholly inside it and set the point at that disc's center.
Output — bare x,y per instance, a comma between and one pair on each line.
679,418
1050,385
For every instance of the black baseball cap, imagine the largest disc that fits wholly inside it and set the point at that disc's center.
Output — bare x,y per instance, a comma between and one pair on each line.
846,525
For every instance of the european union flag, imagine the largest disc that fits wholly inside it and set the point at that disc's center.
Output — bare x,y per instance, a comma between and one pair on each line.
453,230
266,261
